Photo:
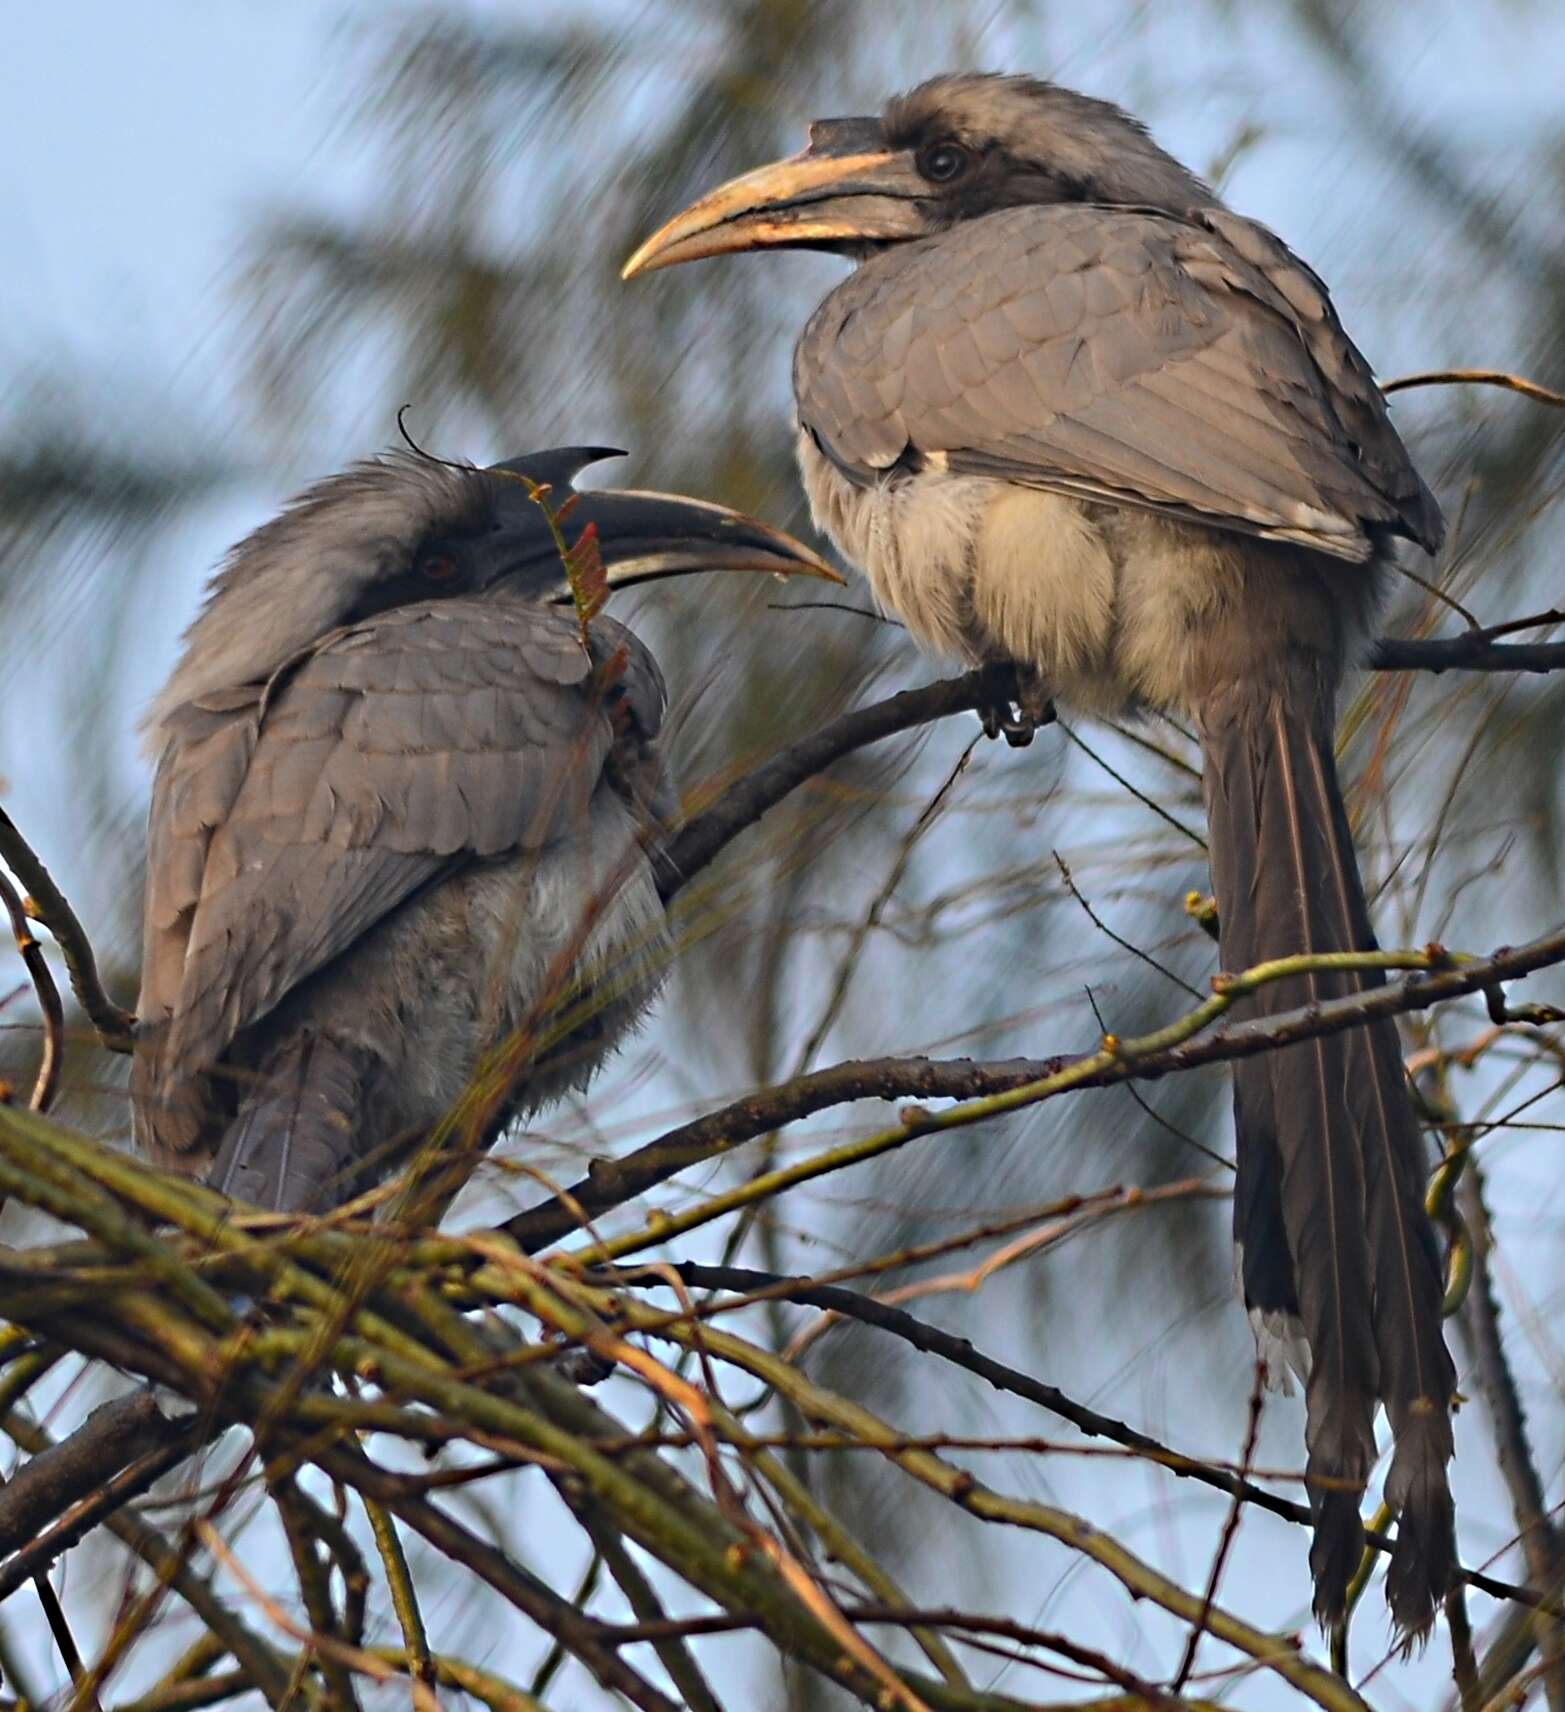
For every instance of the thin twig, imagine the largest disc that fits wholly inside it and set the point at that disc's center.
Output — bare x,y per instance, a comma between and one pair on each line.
1109,933
48,994
549,1666
349,1657
960,1488
578,1633
743,803
191,1693
1141,796
85,1698
966,1622
1479,377
1542,1548
325,1639
960,1352
1229,1533
673,1654
266,1671
1026,1246
47,905
404,1595
1464,1665
1438,594
896,872
992,1088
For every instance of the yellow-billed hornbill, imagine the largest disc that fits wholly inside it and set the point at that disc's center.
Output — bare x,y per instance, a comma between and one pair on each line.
1072,412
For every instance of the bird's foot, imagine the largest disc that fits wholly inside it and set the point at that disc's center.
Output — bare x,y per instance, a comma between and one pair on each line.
1032,708
1001,718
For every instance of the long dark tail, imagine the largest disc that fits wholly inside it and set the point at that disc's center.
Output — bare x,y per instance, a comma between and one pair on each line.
293,1147
1329,1198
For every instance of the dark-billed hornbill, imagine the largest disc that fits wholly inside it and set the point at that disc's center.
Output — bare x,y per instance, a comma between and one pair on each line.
402,808
1073,413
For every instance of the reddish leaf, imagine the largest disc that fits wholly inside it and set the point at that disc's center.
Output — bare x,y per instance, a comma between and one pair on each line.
588,579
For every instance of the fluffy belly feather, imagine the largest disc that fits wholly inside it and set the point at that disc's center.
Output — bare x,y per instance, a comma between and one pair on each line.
531,916
1117,607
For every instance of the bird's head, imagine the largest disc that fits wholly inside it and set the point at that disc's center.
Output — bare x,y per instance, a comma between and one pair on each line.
955,148
403,528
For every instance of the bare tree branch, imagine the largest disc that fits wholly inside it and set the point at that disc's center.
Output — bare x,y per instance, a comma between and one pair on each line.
59,1495
264,1667
959,1352
87,1480
1541,1545
113,1024
1229,1533
53,1012
743,803
1532,389
705,836
1472,652
609,1183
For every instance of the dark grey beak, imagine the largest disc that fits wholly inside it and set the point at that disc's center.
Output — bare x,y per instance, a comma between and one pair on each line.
539,516
643,536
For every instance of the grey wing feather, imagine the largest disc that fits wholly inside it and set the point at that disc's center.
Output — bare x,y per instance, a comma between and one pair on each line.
1194,366
286,823
207,751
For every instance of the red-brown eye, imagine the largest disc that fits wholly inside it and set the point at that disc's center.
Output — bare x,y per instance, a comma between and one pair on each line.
438,567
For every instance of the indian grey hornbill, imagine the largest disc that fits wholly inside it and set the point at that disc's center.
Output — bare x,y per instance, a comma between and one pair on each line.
402,807
1073,413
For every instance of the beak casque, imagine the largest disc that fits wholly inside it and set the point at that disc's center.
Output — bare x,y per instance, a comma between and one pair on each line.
845,187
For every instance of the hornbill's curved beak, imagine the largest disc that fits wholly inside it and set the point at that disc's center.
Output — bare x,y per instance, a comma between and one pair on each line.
540,516
849,186
643,536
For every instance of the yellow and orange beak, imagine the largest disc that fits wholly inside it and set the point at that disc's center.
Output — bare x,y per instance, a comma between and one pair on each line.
847,187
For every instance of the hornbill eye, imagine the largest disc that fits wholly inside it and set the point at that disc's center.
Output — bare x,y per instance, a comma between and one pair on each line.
438,567
941,162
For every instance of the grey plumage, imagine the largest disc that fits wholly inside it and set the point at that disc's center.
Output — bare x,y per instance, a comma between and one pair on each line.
1071,412
400,814
1322,1126
1120,355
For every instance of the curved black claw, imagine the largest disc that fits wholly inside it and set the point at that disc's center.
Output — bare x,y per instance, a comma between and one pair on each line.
1032,708
1016,726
